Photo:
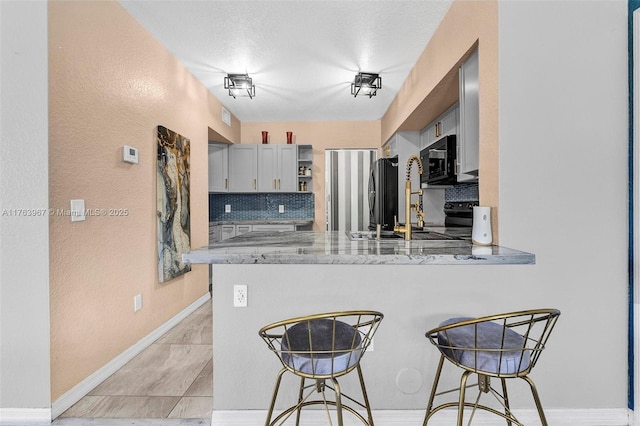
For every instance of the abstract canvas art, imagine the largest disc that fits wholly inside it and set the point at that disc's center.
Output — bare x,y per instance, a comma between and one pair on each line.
174,219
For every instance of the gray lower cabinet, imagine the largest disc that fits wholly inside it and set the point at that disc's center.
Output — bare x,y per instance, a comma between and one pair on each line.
227,231
469,134
279,227
215,233
223,232
243,229
243,168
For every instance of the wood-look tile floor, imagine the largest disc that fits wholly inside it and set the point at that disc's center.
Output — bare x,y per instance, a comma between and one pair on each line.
171,379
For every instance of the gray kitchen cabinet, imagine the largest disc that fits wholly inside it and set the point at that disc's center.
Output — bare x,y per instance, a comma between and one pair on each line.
277,166
445,125
218,167
215,233
243,168
243,229
277,227
469,133
227,231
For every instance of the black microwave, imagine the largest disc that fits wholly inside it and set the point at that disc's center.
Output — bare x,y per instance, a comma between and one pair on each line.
439,162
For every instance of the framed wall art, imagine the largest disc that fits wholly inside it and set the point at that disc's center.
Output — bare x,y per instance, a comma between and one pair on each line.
173,199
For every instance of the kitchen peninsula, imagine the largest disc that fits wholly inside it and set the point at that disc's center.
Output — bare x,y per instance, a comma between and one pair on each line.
338,248
416,284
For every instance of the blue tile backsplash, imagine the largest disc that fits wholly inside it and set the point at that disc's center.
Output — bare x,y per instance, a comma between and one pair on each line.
261,206
297,206
462,192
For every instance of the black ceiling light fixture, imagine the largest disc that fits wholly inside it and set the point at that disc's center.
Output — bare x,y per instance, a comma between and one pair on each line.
366,83
239,85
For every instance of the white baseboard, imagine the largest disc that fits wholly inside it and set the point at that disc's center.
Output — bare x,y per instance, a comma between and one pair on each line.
25,416
76,393
556,417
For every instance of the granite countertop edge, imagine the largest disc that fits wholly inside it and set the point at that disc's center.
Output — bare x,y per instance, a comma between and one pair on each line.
323,248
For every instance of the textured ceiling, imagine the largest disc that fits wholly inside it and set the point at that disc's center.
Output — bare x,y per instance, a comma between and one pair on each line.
302,54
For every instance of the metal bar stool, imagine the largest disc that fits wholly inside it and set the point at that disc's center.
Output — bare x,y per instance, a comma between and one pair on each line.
321,348
504,346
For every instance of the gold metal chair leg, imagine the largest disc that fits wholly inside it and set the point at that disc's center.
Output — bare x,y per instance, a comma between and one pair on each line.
536,398
463,388
336,387
300,398
507,410
275,395
436,380
364,396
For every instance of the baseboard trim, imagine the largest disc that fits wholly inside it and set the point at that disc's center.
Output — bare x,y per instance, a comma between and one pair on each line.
25,416
556,417
76,393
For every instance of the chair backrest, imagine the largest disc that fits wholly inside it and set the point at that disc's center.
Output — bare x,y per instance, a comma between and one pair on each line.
503,345
322,345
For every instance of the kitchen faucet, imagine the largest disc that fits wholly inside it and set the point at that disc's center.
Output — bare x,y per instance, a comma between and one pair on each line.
406,229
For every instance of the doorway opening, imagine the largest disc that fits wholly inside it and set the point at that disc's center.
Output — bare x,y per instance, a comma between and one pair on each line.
347,187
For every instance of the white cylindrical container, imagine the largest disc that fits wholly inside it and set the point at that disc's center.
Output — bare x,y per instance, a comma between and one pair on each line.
481,229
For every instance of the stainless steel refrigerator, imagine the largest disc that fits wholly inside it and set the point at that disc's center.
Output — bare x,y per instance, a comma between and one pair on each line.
383,193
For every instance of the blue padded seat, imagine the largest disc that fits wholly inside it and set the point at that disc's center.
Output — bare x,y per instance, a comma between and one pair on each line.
496,349
321,355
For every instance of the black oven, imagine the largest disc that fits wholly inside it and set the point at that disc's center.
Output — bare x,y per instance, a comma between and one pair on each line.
439,162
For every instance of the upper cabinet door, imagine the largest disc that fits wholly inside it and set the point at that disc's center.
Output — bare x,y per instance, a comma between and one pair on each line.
288,168
267,168
218,167
445,125
243,168
469,135
277,165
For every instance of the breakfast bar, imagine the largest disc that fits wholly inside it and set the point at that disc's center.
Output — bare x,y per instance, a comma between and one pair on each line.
340,248
415,284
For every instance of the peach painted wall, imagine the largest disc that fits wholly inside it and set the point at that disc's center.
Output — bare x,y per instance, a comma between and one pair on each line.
322,135
111,83
465,24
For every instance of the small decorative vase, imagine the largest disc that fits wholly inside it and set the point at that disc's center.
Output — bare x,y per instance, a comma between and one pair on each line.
265,136
289,138
481,227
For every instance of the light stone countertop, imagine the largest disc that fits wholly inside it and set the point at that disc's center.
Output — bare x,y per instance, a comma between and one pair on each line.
333,247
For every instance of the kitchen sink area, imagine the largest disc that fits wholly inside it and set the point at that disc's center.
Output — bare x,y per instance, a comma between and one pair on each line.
443,234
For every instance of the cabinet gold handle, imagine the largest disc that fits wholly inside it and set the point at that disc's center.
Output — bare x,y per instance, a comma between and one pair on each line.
226,183
255,184
278,183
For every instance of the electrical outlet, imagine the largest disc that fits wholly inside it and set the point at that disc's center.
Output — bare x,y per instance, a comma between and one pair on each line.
137,302
240,296
227,208
281,208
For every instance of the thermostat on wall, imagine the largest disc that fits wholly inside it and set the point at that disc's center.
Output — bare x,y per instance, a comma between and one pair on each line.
130,154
